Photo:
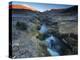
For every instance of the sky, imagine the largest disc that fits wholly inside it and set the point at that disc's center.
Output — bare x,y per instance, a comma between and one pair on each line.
43,6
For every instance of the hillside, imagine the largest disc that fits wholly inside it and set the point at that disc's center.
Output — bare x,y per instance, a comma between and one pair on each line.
26,38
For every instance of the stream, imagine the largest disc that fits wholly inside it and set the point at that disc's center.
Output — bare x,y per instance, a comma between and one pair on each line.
52,46
53,43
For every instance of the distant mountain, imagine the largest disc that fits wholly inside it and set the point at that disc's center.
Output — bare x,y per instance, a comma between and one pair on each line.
73,9
22,7
70,10
56,10
53,12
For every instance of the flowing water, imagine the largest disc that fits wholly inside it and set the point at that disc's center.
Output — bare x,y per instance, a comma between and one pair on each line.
52,46
43,29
